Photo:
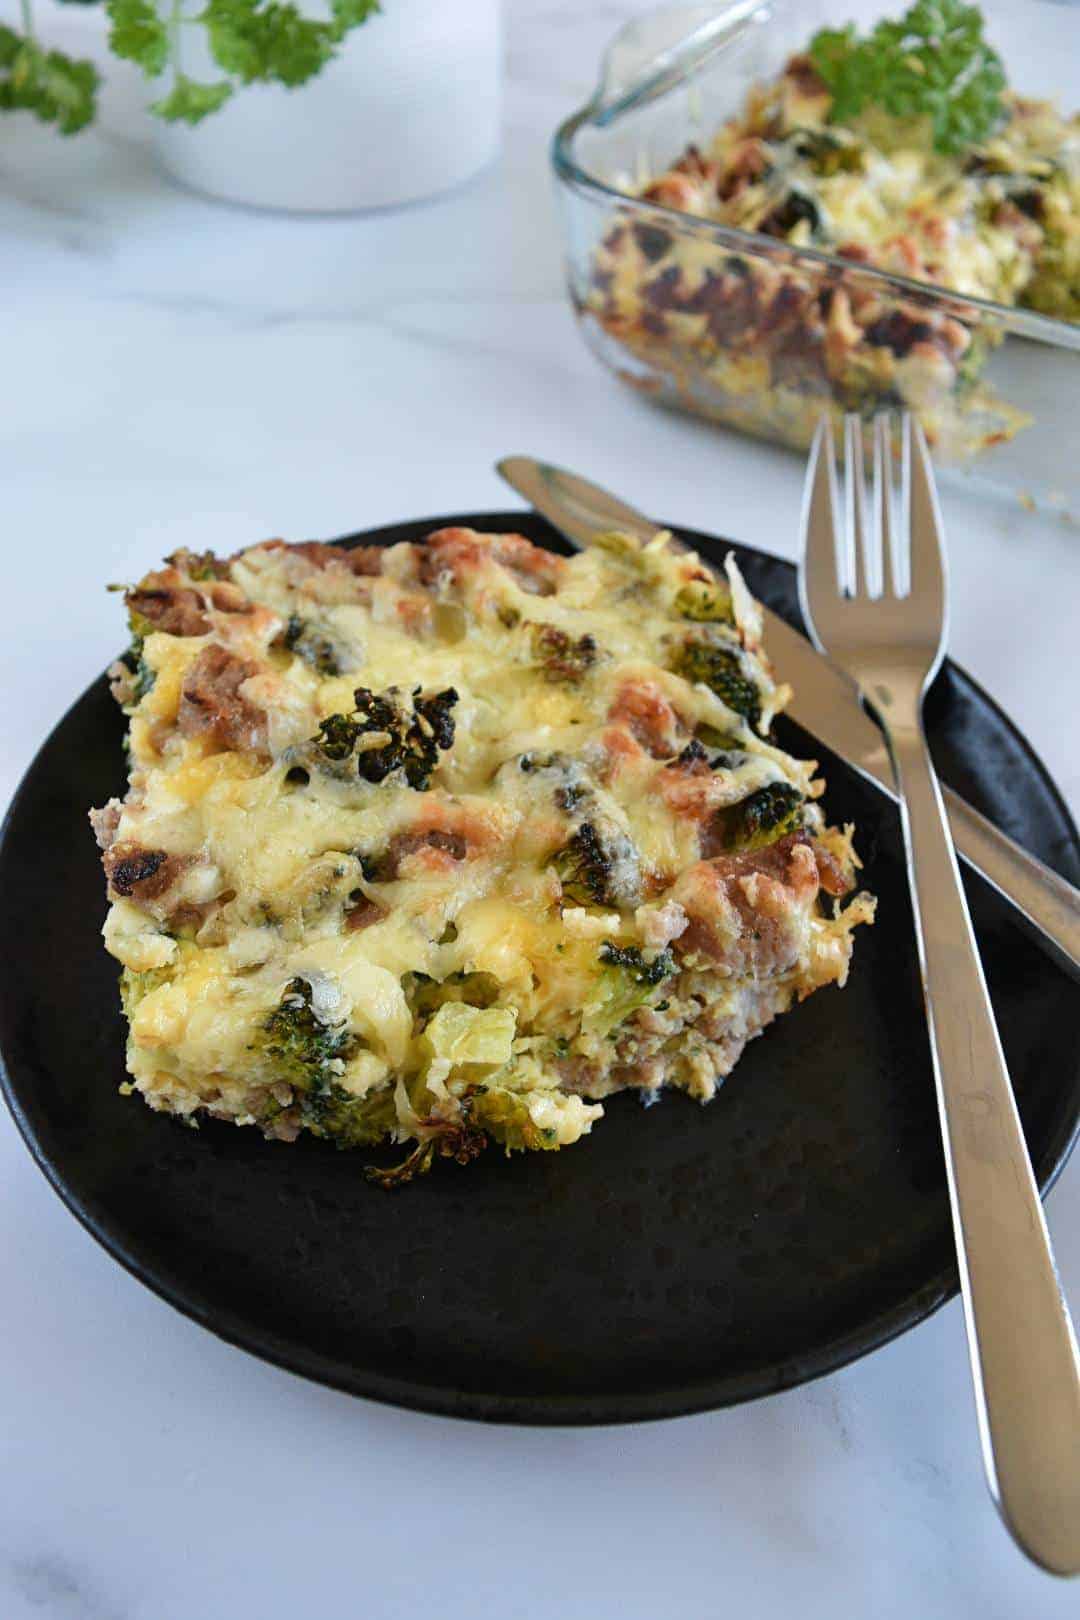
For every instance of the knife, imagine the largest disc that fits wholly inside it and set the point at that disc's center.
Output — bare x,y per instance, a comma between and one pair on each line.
827,705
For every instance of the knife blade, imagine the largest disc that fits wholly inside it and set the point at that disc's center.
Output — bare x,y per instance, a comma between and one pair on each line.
827,705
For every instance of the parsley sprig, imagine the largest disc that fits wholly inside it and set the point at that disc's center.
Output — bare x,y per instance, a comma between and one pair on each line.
58,89
251,41
932,64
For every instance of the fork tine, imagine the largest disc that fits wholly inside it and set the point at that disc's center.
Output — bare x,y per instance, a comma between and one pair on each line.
883,503
820,577
821,580
927,536
894,635
856,529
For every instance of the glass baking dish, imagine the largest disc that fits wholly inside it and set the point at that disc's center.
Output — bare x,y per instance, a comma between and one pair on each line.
1003,412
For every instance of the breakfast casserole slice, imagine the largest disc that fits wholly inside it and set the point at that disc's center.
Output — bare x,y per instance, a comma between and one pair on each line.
443,843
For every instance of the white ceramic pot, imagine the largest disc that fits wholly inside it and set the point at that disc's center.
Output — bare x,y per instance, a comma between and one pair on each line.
409,108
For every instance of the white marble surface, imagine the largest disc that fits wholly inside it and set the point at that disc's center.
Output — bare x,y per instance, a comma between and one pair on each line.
180,372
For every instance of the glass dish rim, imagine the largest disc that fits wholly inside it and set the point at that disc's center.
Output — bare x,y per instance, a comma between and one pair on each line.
1048,329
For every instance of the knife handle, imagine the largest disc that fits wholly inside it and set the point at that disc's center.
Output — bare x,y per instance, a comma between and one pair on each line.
1045,904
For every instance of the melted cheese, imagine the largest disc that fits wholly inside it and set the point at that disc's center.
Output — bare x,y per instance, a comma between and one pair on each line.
766,346
288,867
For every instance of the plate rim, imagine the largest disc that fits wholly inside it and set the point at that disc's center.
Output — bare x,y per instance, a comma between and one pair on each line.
535,1409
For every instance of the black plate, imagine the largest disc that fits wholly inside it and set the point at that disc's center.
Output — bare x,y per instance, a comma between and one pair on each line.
680,1259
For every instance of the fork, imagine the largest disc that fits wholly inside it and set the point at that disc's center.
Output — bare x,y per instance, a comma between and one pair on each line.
874,589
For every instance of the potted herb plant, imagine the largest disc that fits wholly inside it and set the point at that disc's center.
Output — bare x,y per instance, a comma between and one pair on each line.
398,102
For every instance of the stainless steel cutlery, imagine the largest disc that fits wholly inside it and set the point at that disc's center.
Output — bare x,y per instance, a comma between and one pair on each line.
874,587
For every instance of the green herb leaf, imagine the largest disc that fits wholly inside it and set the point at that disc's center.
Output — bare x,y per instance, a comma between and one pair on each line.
229,31
138,34
58,89
189,102
273,42
285,47
351,13
840,60
253,41
69,91
10,45
933,63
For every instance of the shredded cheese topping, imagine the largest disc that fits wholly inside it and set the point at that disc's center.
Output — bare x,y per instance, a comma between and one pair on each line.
444,843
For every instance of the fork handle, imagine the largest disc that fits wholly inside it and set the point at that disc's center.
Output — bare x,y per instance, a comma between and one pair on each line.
1023,1349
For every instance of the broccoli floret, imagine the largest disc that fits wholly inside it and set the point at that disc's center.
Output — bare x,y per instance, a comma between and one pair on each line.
455,1138
598,867
506,1117
416,1163
761,818
349,1121
629,960
316,650
705,601
626,983
583,867
719,668
307,1053
563,660
405,733
337,736
143,677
